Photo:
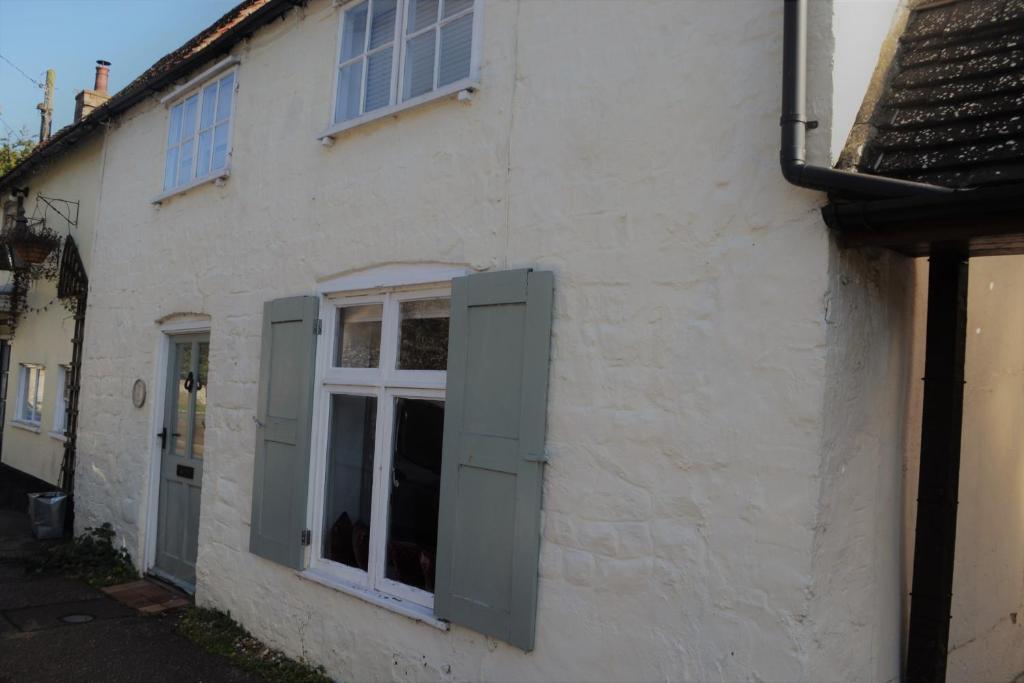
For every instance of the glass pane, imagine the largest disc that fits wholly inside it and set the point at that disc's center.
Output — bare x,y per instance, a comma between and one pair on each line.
455,6
422,13
419,65
415,492
382,28
37,404
170,167
353,31
29,397
174,129
203,163
227,89
378,80
358,340
423,335
182,372
456,47
220,147
184,163
199,428
188,122
350,83
209,106
347,507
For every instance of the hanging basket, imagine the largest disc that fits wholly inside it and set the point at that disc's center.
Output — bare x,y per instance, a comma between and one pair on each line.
33,251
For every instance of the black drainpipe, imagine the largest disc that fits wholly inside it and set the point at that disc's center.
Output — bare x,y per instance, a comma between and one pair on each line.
943,401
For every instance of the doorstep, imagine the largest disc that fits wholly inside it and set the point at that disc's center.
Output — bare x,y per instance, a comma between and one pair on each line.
148,596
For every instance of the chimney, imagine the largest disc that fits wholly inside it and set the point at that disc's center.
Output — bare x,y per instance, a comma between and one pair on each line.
87,100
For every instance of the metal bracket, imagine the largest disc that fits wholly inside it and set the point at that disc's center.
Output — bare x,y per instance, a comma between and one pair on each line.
306,537
536,457
318,326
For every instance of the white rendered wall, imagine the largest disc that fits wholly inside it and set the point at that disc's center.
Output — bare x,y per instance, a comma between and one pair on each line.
700,384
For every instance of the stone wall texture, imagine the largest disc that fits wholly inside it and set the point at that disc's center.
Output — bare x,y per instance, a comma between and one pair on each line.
725,411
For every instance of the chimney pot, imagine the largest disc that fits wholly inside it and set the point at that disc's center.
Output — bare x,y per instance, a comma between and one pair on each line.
102,71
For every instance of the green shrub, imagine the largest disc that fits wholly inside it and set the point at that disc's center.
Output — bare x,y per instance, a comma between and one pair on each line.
91,557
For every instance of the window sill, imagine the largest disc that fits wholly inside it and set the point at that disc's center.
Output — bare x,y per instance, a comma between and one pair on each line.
59,436
456,89
403,607
26,425
217,178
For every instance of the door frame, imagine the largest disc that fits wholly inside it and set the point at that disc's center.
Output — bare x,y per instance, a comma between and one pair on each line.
158,405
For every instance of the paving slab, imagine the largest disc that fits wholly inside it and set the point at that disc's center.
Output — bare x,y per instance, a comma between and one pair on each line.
43,591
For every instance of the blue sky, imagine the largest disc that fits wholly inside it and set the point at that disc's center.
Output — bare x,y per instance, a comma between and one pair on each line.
70,35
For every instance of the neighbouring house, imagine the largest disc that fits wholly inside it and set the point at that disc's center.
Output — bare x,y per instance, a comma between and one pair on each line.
56,205
484,340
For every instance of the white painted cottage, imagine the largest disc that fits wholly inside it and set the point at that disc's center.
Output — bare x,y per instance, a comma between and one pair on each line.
484,339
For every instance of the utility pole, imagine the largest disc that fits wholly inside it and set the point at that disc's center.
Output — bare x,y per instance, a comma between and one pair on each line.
46,106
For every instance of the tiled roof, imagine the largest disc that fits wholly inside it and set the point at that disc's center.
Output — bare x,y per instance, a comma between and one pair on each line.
953,112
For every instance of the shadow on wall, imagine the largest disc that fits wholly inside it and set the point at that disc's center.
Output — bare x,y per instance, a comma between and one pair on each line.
15,487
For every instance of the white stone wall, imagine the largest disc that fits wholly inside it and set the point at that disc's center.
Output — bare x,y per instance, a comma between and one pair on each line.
700,381
986,639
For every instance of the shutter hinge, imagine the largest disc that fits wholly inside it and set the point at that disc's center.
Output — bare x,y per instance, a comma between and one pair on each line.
536,457
318,326
306,537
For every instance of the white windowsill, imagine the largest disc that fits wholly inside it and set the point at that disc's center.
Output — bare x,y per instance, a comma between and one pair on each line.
403,607
60,436
26,425
219,176
468,85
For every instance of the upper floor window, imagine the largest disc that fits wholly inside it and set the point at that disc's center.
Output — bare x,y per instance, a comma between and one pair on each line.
394,51
199,134
31,379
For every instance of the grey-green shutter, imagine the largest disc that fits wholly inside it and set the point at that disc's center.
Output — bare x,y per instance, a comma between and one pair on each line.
493,462
283,414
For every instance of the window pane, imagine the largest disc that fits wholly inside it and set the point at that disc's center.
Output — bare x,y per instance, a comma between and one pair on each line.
220,147
199,428
183,369
353,32
419,65
170,167
350,83
203,162
29,396
347,507
358,341
455,6
415,492
37,404
456,44
174,129
209,106
188,123
422,13
378,80
423,335
184,163
224,97
382,28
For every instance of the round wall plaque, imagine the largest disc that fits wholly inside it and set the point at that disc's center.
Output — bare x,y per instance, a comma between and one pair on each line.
139,393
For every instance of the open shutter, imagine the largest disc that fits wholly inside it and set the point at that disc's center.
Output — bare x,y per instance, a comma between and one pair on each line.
284,415
493,462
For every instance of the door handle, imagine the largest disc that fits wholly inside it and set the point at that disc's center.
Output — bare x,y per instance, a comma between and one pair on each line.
190,382
162,435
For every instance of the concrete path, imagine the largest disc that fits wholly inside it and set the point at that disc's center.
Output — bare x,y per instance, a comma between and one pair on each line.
55,629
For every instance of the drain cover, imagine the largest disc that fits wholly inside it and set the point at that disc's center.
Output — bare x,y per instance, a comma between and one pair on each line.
77,618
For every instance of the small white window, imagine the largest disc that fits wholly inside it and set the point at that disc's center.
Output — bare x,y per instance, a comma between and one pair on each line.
395,51
31,380
199,133
380,428
60,406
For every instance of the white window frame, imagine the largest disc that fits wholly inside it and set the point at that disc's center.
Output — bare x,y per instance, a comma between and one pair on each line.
386,384
24,369
195,88
60,405
463,87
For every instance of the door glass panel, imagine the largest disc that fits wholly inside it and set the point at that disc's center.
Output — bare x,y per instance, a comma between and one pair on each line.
182,370
423,335
199,428
349,480
415,492
358,337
